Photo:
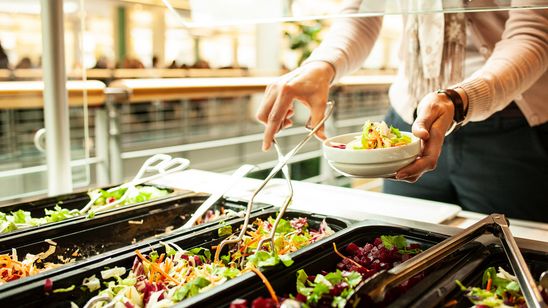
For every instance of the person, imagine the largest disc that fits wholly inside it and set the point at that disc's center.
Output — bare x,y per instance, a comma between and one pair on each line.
155,61
133,63
4,60
24,63
492,67
101,62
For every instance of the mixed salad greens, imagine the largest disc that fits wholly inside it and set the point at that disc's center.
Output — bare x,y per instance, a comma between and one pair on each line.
335,289
140,194
376,135
498,289
12,269
23,219
163,279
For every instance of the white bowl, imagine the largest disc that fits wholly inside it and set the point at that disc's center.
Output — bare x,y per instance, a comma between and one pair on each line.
382,162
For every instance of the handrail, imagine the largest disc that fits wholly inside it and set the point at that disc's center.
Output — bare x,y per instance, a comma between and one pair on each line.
150,89
28,94
122,73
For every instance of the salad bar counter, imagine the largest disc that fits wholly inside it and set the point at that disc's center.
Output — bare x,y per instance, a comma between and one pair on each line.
137,255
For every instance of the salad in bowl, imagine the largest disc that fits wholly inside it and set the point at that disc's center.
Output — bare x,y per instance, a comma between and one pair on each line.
375,135
378,150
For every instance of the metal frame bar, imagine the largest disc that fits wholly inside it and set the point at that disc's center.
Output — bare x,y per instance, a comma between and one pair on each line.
101,147
44,168
56,111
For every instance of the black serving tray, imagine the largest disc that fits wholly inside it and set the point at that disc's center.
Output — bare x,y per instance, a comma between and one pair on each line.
471,273
32,294
323,258
110,235
76,200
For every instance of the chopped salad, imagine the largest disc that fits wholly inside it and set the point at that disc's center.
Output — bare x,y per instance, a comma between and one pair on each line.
23,219
12,269
376,135
498,289
335,289
163,279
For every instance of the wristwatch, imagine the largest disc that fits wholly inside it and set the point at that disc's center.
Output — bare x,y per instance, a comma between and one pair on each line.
460,112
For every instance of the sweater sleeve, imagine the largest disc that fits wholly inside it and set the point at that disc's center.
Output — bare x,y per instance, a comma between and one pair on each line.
517,61
348,42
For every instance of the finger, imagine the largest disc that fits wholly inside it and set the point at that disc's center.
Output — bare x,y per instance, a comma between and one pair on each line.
412,179
276,118
421,126
430,154
415,169
288,123
317,113
266,106
290,113
427,113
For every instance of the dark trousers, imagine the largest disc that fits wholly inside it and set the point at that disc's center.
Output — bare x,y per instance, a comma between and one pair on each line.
499,165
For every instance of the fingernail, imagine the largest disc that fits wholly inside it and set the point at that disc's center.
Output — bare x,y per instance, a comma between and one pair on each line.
401,176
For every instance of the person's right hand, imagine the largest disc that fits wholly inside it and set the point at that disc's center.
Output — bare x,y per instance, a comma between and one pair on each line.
309,84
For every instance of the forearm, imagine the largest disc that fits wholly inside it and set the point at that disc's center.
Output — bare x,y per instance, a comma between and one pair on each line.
517,62
348,41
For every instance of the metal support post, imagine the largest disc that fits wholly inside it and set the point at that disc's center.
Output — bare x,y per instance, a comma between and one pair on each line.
101,147
56,113
114,132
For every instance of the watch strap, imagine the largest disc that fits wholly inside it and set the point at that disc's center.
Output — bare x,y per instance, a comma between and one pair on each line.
456,99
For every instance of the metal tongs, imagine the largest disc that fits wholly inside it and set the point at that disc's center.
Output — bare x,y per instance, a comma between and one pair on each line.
497,224
281,165
161,164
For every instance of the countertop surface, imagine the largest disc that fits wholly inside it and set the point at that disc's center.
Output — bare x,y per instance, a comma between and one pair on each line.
343,202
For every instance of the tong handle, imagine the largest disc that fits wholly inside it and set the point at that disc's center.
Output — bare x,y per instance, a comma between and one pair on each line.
376,287
151,163
530,291
282,162
163,164
215,197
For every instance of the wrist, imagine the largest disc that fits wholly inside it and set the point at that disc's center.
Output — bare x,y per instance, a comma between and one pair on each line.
464,98
325,69
459,107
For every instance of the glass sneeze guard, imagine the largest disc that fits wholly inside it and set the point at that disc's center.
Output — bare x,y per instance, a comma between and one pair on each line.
218,13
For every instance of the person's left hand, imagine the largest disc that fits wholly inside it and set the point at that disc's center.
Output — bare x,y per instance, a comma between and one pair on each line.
434,117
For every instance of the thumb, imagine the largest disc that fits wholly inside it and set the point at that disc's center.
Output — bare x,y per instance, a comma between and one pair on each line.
317,113
423,122
421,128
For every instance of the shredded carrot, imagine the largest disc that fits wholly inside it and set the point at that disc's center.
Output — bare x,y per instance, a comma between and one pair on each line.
151,274
451,303
156,267
243,249
267,284
284,250
347,258
489,283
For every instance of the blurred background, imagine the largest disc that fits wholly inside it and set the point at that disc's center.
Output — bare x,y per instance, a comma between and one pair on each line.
141,81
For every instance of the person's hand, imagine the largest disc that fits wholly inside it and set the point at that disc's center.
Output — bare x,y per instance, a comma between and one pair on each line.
308,84
434,117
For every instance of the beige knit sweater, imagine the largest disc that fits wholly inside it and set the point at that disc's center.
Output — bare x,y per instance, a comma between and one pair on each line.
515,44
